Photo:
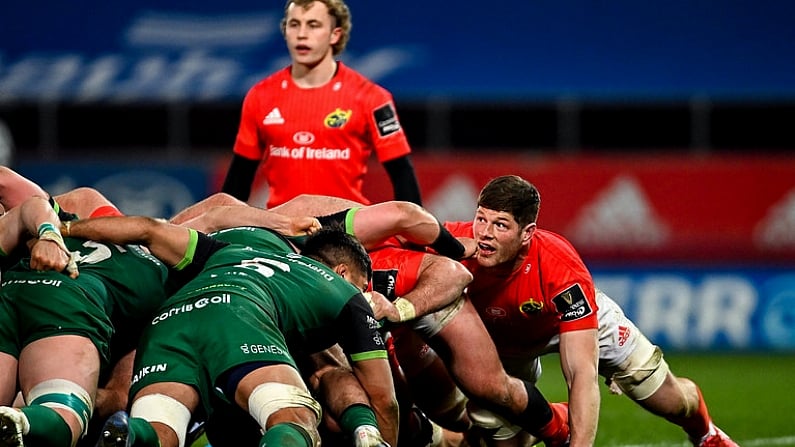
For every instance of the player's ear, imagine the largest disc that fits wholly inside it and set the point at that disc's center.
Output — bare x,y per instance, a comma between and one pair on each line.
342,270
527,232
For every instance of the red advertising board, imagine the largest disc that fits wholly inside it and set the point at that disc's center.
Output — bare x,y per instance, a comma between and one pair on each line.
628,208
633,208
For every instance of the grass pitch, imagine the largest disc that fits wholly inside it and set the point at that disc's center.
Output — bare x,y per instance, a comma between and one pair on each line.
750,396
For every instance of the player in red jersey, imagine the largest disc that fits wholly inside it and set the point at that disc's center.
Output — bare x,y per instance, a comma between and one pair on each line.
314,124
535,296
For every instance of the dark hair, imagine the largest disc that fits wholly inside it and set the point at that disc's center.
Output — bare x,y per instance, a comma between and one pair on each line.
511,194
333,246
336,9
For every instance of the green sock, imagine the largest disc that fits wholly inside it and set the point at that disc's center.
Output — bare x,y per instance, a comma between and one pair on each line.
142,434
286,434
47,427
355,416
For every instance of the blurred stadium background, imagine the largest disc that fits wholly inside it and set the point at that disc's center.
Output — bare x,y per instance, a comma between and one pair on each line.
661,134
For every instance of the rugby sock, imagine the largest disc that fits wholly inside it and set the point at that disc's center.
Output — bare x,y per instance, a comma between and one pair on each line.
47,427
286,435
356,415
695,424
142,434
539,419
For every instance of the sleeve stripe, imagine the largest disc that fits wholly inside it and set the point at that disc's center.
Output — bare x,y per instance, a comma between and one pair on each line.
369,355
190,251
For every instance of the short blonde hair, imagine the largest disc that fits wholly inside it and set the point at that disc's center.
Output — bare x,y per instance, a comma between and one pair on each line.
337,9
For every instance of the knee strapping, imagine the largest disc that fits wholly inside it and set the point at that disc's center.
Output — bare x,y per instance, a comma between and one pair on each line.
639,381
165,410
499,428
269,398
65,395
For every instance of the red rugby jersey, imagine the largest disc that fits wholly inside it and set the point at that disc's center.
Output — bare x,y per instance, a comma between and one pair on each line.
318,140
550,292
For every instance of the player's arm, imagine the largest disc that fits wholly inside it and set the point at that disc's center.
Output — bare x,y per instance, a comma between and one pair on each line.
221,217
15,188
200,207
240,176
368,358
35,217
404,180
86,202
440,282
579,358
169,243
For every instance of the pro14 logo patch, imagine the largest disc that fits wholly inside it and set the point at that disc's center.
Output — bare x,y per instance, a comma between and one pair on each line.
386,120
572,304
384,282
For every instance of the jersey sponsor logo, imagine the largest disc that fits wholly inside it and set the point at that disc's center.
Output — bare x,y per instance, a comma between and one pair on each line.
261,349
146,370
34,282
337,118
303,137
202,302
384,282
273,117
531,306
309,153
496,312
386,120
571,304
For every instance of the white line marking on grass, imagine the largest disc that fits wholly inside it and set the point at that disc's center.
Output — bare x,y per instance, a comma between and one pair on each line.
759,442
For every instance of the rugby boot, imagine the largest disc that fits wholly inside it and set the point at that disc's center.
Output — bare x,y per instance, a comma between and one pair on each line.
715,438
561,437
368,436
116,431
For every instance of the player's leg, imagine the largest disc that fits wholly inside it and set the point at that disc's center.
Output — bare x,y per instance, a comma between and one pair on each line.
58,377
637,368
8,380
347,406
277,398
428,382
465,345
159,417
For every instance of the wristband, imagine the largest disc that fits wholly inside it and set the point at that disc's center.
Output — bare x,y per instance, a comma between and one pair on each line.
45,227
447,245
48,232
406,310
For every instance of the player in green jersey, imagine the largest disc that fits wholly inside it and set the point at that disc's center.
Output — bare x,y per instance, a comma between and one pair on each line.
237,327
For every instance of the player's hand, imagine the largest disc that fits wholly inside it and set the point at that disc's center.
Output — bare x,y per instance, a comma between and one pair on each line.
46,254
470,247
382,307
304,226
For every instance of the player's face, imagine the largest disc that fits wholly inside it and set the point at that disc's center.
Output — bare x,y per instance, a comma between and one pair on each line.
310,33
355,277
499,237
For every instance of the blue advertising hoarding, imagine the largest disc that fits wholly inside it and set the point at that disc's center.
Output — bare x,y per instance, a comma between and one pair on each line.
157,190
707,308
202,50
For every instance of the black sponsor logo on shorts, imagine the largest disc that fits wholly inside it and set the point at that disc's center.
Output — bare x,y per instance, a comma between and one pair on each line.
571,304
384,282
386,120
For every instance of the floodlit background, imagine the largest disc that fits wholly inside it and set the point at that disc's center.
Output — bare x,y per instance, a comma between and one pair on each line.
660,133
